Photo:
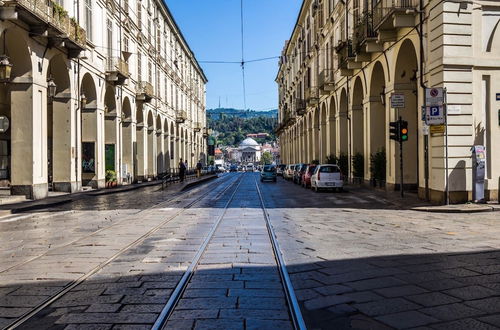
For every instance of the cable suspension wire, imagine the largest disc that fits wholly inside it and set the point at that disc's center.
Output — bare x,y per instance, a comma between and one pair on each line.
243,57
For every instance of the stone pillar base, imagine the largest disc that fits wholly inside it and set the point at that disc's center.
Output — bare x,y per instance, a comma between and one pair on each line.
96,184
36,191
69,187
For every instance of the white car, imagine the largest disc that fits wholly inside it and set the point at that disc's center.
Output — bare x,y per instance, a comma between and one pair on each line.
327,176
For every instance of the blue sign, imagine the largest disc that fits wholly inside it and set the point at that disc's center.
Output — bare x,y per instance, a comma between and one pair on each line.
434,111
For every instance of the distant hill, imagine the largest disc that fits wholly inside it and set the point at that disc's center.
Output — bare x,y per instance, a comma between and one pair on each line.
231,112
232,125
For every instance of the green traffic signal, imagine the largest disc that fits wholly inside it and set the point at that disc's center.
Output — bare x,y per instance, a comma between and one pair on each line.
403,130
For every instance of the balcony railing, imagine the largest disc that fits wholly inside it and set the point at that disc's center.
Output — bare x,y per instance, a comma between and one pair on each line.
343,53
300,107
145,91
117,70
197,126
326,80
43,16
383,9
363,30
311,95
180,116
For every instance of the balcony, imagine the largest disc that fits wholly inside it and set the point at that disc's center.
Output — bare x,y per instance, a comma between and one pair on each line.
117,70
197,126
288,119
365,38
326,81
311,95
145,91
180,116
345,54
389,15
49,20
300,107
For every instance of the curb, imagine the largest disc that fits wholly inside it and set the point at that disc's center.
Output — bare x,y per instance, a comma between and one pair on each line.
439,209
202,180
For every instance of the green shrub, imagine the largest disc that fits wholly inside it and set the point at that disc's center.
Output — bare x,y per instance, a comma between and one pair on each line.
378,165
110,176
358,165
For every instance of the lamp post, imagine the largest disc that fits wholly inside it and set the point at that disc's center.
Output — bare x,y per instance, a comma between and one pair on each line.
5,68
51,87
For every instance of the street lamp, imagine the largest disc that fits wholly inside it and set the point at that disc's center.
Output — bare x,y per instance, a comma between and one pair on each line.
382,96
51,87
83,99
5,68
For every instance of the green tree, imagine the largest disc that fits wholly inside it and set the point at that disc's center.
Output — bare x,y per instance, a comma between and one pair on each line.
267,158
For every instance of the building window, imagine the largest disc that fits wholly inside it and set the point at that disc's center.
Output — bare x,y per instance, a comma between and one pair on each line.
88,18
150,72
139,66
139,15
109,30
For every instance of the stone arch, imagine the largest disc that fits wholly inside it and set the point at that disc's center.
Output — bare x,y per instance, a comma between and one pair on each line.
59,132
151,157
332,128
316,135
357,123
111,128
323,132
376,116
128,144
160,168
493,45
405,82
91,150
166,146
343,124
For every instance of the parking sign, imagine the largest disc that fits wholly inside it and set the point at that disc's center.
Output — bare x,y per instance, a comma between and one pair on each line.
434,115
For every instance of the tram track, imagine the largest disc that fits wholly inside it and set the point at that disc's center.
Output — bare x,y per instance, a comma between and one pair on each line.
20,321
175,297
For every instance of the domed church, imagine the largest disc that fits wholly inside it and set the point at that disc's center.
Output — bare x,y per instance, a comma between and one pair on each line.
250,151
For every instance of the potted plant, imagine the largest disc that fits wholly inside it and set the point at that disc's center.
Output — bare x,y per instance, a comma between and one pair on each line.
110,178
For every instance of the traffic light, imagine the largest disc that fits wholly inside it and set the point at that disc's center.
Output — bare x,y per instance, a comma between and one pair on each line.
403,130
394,130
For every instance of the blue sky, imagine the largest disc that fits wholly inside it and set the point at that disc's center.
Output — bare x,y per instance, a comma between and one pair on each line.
212,29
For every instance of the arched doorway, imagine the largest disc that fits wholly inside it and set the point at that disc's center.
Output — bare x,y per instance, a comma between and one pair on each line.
91,175
159,147
343,125
405,80
111,145
151,157
310,142
173,151
332,128
140,154
127,141
166,147
378,125
316,133
357,116
60,172
324,133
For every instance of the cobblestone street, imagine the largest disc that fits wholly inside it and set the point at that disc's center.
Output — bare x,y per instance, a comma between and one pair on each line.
356,260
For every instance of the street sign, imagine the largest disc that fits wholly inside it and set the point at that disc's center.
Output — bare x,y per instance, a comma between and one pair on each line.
434,96
435,115
437,129
425,129
4,124
397,100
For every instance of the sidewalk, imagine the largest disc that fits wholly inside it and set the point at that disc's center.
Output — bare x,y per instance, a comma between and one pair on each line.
410,201
59,199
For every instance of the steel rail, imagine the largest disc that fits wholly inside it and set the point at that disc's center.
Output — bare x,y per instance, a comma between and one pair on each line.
176,295
27,316
296,314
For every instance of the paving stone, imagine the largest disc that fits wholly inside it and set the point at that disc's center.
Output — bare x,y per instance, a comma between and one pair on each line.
400,291
222,324
254,313
131,327
103,308
195,314
143,308
386,306
107,318
216,285
440,285
88,327
375,283
180,324
256,293
329,290
261,302
203,293
258,324
450,312
263,285
463,324
491,319
432,299
407,319
471,292
487,305
13,312
207,303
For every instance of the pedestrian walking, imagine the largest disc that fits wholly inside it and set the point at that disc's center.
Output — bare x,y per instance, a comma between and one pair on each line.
198,169
182,170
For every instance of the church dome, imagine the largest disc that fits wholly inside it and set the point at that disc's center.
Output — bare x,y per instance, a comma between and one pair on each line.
249,142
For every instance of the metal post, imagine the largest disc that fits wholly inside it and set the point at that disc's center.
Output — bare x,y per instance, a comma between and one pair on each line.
401,158
447,182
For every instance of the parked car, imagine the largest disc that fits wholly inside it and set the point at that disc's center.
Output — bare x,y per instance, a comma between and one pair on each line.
327,177
297,173
288,174
249,168
268,173
306,177
280,169
233,168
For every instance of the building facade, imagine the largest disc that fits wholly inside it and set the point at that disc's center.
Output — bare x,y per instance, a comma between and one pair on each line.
98,90
345,59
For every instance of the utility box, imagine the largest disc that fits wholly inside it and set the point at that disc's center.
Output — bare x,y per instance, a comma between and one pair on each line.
478,172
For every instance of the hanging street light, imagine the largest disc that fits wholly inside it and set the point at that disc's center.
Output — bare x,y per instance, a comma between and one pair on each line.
5,68
51,87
